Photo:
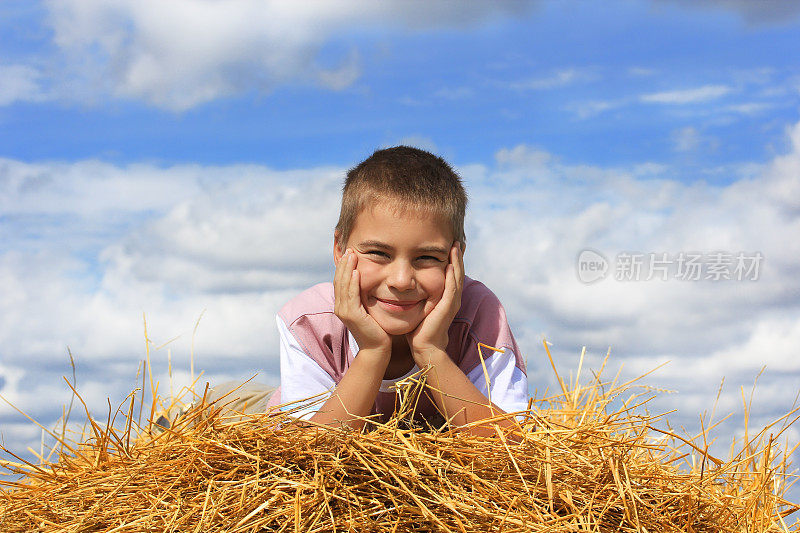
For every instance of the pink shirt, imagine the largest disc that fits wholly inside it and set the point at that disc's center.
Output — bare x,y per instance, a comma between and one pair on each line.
317,349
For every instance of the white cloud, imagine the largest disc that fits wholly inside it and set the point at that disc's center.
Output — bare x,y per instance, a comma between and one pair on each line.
559,78
411,101
589,109
344,75
523,155
689,139
9,381
687,96
91,187
20,83
749,108
755,13
181,230
776,339
183,53
755,76
641,71
245,236
705,94
455,93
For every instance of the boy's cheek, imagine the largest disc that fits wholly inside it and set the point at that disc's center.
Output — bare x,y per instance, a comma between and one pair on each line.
429,306
367,283
437,289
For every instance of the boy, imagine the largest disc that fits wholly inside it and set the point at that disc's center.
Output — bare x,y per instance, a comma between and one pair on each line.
399,302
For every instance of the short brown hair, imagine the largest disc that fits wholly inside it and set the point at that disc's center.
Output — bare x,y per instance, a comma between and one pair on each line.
410,178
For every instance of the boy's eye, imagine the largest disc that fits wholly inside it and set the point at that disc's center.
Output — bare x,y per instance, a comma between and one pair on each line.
379,254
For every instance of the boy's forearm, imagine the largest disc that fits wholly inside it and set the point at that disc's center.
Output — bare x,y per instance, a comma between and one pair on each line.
458,397
354,396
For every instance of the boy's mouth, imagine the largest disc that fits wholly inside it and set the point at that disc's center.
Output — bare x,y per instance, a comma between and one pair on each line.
398,305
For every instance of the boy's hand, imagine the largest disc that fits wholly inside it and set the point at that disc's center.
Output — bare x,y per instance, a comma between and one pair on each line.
431,334
348,307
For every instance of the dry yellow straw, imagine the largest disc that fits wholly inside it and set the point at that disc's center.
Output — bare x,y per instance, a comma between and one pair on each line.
573,464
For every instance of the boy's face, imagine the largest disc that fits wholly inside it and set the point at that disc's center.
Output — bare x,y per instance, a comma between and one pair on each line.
402,259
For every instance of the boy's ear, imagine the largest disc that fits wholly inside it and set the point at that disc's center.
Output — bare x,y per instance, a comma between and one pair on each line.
337,250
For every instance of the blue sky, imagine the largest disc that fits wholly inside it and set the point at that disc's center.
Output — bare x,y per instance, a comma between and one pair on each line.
171,158
574,80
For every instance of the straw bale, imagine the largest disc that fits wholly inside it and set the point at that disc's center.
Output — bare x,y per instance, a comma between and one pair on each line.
573,463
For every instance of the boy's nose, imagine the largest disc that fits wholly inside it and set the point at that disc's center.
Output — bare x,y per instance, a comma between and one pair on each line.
401,277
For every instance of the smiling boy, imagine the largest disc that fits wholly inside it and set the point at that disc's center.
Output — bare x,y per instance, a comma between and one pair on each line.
400,302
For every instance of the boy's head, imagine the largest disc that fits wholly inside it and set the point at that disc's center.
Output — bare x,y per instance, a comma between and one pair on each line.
409,179
402,210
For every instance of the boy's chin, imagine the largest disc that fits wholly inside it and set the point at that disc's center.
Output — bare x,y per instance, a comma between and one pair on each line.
396,328
399,331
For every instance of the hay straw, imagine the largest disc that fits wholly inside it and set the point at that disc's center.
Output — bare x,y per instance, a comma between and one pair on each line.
571,463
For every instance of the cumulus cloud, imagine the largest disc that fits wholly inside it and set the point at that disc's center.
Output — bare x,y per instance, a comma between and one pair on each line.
180,54
614,210
241,237
153,234
91,187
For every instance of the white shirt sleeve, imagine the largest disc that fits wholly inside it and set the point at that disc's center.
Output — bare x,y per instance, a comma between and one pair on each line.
301,376
508,384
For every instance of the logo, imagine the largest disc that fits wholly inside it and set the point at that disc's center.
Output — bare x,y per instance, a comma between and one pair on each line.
592,266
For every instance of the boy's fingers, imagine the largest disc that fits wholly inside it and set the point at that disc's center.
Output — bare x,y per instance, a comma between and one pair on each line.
354,287
449,290
341,283
338,279
350,275
337,275
457,260
451,281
